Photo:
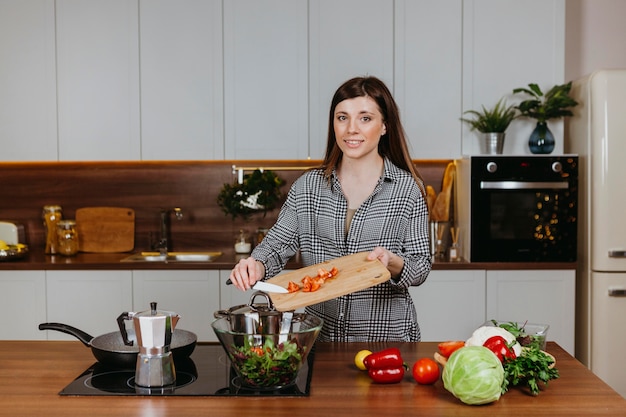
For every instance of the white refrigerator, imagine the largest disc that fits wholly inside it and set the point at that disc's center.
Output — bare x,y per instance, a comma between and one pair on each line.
597,133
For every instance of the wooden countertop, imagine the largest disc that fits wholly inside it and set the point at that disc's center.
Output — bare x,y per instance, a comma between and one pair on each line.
37,260
33,372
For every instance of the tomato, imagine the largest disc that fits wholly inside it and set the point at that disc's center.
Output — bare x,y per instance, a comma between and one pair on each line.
426,371
447,348
358,358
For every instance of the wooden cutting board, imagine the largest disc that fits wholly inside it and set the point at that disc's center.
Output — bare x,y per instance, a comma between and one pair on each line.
355,273
105,229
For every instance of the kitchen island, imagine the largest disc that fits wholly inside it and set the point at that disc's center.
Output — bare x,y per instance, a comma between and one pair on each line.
33,372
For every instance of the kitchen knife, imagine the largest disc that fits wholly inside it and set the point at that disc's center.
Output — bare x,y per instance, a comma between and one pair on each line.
264,286
267,287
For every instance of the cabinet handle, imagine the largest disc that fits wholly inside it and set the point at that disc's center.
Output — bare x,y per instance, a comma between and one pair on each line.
617,253
617,292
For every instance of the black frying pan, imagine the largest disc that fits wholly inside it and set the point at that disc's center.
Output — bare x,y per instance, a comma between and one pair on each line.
110,349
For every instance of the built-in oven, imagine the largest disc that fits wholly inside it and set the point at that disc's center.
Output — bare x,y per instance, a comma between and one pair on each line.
518,208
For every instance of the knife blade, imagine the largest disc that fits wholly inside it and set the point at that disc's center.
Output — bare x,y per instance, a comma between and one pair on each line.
267,287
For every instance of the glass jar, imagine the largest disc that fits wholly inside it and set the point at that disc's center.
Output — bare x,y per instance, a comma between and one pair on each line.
51,216
67,238
241,243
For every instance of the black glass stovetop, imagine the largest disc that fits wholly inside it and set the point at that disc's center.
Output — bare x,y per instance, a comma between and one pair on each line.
207,372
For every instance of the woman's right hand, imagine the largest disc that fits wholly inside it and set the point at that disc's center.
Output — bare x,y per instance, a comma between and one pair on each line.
246,273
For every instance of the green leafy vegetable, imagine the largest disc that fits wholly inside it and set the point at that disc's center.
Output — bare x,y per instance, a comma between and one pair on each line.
269,364
529,369
474,375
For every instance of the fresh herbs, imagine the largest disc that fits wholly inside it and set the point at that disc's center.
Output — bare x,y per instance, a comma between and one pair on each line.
529,369
269,364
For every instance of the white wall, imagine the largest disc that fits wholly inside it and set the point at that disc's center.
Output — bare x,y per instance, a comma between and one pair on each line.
594,36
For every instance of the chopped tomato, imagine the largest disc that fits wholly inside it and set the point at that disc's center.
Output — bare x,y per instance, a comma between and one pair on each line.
448,348
293,287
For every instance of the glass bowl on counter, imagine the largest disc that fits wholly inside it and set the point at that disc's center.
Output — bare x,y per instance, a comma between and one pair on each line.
524,332
269,361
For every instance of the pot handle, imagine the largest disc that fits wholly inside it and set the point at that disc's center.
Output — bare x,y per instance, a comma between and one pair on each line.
270,305
221,314
120,323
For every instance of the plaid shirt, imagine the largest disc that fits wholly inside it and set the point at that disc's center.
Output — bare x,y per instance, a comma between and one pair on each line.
394,216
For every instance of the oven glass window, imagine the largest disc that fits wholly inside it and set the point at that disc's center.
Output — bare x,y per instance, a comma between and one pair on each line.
531,215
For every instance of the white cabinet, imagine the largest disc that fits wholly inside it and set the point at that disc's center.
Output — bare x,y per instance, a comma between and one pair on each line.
509,44
193,294
347,38
23,304
536,296
265,79
98,80
428,74
181,80
28,124
88,300
450,304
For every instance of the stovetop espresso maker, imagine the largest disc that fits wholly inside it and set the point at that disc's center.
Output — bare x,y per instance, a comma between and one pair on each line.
153,330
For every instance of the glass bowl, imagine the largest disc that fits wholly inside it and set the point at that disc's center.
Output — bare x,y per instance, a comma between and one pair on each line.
529,331
269,361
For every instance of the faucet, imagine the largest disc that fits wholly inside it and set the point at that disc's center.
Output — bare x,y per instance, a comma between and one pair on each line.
163,244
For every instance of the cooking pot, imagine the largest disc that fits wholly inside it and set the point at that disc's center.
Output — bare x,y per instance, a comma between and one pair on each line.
110,349
256,318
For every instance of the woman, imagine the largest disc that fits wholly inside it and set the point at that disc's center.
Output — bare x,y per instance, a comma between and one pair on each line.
366,196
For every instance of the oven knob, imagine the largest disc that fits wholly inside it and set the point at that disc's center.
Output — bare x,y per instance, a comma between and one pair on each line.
492,167
557,167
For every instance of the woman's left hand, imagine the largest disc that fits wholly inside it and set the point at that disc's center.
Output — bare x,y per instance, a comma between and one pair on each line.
392,262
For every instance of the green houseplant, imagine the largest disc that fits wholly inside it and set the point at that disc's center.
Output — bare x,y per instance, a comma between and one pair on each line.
258,193
492,124
554,104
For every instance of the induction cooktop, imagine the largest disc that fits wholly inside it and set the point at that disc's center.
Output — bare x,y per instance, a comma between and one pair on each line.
207,372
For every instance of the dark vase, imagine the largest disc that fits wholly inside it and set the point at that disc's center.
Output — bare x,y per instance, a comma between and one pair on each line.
541,139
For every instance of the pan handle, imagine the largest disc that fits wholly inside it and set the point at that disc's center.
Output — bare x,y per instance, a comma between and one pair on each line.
120,322
84,337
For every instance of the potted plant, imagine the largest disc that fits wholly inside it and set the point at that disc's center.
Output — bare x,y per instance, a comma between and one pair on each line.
543,107
258,193
492,124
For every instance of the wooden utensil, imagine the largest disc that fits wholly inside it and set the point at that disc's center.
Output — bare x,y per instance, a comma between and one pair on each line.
105,229
355,273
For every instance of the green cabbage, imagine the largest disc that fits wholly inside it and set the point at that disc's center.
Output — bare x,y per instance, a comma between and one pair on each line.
474,375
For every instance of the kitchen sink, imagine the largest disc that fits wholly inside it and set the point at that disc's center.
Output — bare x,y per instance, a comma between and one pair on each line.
172,257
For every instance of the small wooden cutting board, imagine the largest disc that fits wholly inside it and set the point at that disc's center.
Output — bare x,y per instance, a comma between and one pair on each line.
355,273
105,229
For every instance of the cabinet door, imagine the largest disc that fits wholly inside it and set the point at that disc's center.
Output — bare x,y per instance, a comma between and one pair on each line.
450,304
347,38
265,79
536,296
194,295
181,80
88,300
429,70
509,44
23,301
28,91
98,79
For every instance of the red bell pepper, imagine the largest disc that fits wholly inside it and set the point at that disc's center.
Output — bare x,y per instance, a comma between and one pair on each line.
499,346
386,358
387,375
385,366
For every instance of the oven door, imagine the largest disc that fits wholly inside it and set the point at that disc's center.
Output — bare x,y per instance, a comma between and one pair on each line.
516,221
